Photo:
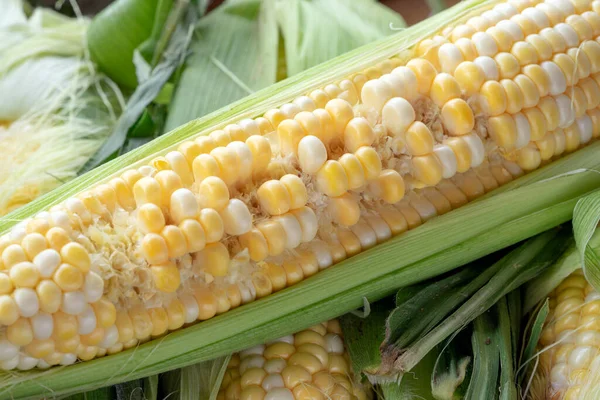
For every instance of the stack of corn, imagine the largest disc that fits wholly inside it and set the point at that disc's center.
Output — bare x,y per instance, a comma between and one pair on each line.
257,206
311,364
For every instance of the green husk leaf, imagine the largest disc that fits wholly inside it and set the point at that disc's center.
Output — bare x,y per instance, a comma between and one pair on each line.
150,385
132,390
418,384
532,337
432,304
344,25
503,338
149,89
539,288
486,357
513,300
513,270
363,336
234,54
45,32
436,5
105,393
198,381
236,50
585,221
119,30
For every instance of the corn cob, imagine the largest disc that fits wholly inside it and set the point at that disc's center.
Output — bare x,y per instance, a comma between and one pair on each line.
311,364
257,206
569,343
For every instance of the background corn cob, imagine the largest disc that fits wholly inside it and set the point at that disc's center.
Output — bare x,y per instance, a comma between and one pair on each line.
569,343
311,364
235,215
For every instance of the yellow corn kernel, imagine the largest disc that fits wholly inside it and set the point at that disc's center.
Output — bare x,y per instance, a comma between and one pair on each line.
539,77
56,237
296,189
444,87
106,313
205,165
13,255
6,285
457,116
418,137
572,137
332,179
578,100
34,243
20,332
65,326
166,277
567,66
212,223
319,97
537,123
546,147
503,131
275,236
9,311
49,295
207,304
469,76
68,277
358,133
274,197
228,162
255,242
214,259
514,97
494,100
290,132
531,94
370,161
154,248
195,238
529,158
123,193
425,73
124,326
389,185
147,190
344,209
141,322
354,170
508,65
131,177
341,113
549,108
461,151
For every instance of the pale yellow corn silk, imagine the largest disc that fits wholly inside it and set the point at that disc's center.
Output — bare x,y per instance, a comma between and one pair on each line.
259,205
311,364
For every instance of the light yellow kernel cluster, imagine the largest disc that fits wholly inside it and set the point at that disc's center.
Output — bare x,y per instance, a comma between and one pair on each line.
309,365
570,340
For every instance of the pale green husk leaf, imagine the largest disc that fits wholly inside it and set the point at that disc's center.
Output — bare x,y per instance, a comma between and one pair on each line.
235,49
